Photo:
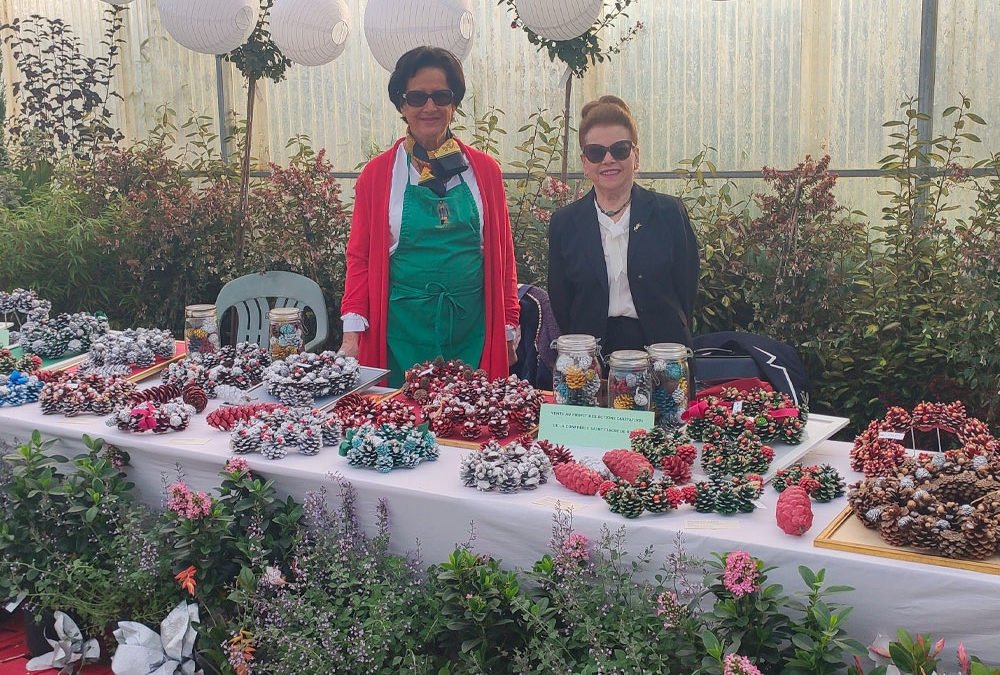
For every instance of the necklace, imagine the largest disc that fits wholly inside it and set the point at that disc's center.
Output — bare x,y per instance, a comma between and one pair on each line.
614,212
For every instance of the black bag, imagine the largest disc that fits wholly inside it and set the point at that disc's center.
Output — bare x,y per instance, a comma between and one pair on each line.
729,355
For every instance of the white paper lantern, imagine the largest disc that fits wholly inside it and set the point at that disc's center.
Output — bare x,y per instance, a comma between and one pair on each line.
559,19
394,27
210,26
118,3
310,32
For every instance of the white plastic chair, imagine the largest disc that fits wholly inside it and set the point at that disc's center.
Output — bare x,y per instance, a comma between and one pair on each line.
251,297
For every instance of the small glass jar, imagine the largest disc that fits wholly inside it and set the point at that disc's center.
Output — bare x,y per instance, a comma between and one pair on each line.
577,376
201,329
628,380
671,377
286,334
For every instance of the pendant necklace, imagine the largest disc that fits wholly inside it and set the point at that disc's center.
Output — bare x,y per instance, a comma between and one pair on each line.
443,212
614,212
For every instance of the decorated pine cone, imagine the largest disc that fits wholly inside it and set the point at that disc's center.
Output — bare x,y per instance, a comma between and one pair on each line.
18,388
675,467
623,402
52,337
195,397
556,453
160,393
727,501
627,464
625,499
299,379
133,347
661,496
657,443
388,446
225,417
705,494
470,430
25,364
794,511
578,477
576,377
831,484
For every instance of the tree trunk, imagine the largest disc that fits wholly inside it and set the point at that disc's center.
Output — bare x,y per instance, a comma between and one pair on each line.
241,227
565,157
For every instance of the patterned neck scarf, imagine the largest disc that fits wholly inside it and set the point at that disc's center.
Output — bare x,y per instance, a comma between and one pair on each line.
438,166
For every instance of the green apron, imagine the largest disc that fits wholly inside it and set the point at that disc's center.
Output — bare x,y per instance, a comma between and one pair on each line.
436,299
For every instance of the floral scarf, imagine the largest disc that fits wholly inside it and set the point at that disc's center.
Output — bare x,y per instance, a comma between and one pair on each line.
437,167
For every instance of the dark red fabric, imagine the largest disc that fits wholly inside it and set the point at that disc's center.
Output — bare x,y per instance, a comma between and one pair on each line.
743,384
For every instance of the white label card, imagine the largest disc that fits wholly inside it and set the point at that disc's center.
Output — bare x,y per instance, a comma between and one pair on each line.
737,407
892,435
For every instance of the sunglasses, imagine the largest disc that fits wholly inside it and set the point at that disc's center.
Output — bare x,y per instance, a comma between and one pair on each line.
417,99
619,150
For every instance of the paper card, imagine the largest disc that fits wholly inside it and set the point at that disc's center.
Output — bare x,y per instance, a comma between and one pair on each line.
710,524
557,503
4,334
892,435
189,441
737,407
578,426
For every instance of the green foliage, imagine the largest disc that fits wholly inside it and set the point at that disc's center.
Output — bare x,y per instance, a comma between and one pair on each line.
819,641
586,50
259,57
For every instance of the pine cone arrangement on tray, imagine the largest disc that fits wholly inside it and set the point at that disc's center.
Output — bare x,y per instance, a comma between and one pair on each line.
72,394
627,465
158,417
117,353
744,455
389,446
465,405
946,503
274,432
505,468
52,337
773,416
360,410
300,379
423,380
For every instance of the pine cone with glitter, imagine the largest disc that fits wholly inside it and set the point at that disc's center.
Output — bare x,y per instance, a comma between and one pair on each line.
627,464
578,477
576,377
675,467
624,402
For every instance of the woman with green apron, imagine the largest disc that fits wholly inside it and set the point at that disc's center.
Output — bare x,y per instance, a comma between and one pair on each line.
430,259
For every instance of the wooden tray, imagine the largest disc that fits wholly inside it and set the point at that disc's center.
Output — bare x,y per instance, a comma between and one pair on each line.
846,533
547,397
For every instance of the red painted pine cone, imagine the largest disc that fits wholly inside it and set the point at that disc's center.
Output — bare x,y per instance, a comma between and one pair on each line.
794,511
686,452
676,468
578,477
556,453
226,417
627,464
195,396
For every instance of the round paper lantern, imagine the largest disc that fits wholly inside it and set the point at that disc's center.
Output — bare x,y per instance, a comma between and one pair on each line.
559,19
118,3
394,27
310,32
210,26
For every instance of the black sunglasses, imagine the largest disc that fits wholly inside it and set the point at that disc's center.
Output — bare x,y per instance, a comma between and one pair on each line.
418,99
619,150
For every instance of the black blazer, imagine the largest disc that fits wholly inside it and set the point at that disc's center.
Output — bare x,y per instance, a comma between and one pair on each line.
663,267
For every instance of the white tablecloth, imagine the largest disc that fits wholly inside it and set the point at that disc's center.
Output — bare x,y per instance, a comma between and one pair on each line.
430,510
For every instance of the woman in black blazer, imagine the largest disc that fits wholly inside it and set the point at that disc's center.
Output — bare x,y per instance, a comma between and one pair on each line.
623,261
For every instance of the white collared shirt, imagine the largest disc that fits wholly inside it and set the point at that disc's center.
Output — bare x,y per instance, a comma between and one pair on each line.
614,240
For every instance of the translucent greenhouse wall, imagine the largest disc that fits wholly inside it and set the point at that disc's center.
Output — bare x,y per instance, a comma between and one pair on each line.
763,81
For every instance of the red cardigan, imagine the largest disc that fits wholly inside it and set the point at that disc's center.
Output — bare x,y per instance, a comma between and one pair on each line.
366,289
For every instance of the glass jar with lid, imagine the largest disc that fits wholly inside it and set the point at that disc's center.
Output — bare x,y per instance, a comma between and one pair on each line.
577,376
201,329
671,378
628,380
286,335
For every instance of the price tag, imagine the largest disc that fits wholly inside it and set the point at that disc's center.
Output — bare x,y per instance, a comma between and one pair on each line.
189,441
892,435
737,407
556,503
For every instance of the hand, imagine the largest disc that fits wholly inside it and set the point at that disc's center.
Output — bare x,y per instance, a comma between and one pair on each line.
511,354
350,345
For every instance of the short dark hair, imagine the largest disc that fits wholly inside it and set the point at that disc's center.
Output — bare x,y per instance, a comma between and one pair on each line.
426,57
